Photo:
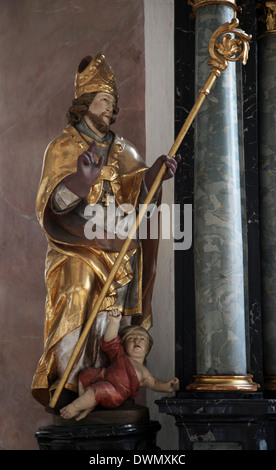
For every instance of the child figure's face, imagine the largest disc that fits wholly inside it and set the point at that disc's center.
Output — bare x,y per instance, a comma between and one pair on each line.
137,345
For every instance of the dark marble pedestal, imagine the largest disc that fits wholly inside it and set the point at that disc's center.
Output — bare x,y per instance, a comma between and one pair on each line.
223,421
125,428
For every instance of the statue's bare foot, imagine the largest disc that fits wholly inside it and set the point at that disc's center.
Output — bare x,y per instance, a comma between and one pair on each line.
81,406
84,413
70,411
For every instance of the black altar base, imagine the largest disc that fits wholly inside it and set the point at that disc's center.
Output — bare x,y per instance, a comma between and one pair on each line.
223,421
125,428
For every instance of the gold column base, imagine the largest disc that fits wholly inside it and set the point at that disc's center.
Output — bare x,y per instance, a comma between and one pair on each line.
219,383
270,382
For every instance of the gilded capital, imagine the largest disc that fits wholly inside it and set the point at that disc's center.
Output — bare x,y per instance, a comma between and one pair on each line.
195,4
268,16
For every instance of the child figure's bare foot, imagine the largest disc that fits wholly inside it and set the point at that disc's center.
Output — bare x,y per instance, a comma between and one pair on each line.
80,407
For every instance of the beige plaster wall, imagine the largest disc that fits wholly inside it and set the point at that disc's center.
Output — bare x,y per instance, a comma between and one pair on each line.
159,60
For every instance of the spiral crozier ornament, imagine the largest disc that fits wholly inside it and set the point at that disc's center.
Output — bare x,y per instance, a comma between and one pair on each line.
230,48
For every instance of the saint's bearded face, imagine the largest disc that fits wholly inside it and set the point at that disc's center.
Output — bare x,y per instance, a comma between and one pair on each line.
98,122
100,112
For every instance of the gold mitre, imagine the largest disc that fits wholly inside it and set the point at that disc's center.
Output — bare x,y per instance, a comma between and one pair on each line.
95,75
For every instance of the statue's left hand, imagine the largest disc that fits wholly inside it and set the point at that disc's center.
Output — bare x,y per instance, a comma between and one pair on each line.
171,164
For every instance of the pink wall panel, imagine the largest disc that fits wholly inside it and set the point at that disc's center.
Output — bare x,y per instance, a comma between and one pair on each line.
42,42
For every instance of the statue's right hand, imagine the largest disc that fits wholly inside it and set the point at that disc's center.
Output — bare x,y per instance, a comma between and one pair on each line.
87,167
88,170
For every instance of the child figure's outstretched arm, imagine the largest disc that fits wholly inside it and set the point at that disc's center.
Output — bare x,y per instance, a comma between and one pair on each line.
159,385
111,332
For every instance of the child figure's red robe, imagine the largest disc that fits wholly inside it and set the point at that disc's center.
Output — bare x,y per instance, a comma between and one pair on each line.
117,382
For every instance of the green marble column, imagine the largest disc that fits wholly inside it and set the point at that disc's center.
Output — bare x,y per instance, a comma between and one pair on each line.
267,159
218,236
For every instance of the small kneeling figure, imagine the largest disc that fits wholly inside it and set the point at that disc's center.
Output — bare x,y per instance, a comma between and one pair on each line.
111,386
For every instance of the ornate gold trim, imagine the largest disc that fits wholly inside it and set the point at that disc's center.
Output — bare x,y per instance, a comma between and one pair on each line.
218,383
270,382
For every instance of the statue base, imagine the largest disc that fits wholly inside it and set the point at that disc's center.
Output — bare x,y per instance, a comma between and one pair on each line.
127,427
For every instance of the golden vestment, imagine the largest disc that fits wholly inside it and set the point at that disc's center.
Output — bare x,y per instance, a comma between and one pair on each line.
77,267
